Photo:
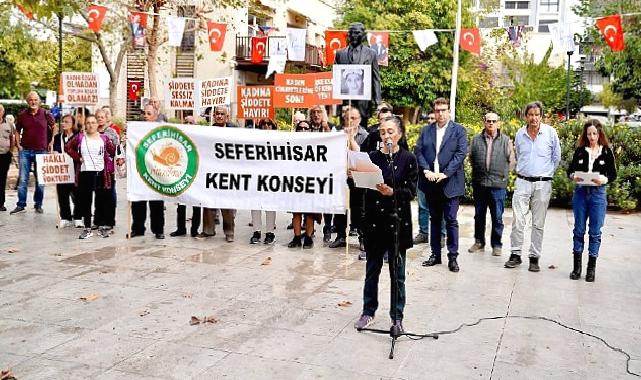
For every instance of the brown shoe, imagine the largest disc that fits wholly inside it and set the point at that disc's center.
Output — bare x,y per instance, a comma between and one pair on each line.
476,247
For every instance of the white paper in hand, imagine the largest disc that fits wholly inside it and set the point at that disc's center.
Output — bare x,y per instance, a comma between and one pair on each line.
360,161
368,180
587,178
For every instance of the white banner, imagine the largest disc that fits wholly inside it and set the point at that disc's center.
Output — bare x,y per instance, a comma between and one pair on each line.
236,167
54,168
79,89
175,30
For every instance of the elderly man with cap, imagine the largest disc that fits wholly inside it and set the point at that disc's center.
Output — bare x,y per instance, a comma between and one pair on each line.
492,157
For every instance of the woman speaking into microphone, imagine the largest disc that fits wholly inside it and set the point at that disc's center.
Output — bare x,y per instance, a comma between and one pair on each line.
387,208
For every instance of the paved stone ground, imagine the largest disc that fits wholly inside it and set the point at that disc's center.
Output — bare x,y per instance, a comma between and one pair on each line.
283,320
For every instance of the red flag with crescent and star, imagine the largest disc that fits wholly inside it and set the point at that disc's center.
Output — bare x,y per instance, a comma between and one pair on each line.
216,32
134,90
471,40
259,45
612,31
334,40
95,15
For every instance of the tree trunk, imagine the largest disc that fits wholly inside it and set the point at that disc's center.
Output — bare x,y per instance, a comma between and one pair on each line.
153,43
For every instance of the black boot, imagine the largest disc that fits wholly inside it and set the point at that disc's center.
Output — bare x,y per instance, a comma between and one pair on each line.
589,274
576,272
534,264
295,243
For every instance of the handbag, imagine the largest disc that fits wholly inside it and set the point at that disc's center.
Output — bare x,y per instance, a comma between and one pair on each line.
121,162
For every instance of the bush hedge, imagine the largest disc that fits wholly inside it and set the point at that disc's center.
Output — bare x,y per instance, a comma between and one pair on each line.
623,194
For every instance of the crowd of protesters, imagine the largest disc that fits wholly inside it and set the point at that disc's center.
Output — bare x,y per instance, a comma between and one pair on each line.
96,146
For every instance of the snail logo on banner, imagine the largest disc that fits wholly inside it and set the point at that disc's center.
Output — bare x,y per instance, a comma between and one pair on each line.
167,160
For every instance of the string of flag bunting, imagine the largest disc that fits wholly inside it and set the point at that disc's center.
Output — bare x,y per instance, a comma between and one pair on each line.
293,46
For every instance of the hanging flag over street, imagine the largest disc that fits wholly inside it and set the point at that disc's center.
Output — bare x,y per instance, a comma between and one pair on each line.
612,31
296,44
175,30
95,15
138,24
424,38
334,40
259,45
471,40
216,32
134,90
379,42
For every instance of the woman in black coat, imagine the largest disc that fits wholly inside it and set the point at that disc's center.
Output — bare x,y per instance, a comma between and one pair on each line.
379,220
590,200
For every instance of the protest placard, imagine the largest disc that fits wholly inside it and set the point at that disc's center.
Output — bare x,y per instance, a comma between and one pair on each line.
255,102
237,168
294,91
79,89
181,94
54,168
215,92
323,88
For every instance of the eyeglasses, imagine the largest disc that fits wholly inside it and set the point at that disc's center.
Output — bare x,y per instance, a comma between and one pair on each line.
441,110
384,110
219,114
491,121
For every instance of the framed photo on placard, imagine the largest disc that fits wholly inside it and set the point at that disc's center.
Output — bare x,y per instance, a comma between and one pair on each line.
352,82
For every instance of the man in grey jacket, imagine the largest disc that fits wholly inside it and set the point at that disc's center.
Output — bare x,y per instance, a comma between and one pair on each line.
492,157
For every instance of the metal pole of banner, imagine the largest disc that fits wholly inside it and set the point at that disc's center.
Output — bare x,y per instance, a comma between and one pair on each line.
292,126
129,219
567,92
348,213
457,39
59,69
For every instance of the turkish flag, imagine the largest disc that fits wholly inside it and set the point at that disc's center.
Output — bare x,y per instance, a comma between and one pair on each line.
471,40
134,90
259,46
95,15
612,31
27,13
216,34
334,40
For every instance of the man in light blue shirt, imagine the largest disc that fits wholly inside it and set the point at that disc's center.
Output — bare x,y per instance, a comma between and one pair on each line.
538,154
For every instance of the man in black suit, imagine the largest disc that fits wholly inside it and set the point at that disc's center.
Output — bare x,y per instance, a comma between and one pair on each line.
358,54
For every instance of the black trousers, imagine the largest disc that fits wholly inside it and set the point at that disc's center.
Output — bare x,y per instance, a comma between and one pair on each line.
90,184
156,216
356,211
5,161
181,216
67,192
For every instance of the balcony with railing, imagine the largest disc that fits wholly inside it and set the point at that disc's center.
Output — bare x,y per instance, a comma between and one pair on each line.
244,47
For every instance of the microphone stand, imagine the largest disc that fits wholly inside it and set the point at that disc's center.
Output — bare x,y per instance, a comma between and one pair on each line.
395,331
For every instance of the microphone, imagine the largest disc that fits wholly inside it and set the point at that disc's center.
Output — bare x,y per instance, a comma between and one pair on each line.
388,144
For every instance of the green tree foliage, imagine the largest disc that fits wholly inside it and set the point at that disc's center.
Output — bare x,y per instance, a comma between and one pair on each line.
27,57
622,67
413,78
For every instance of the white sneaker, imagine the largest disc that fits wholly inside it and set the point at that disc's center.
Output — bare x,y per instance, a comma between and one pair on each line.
64,223
86,234
78,223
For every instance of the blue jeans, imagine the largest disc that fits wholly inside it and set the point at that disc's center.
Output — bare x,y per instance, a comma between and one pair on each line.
494,198
424,214
589,202
27,157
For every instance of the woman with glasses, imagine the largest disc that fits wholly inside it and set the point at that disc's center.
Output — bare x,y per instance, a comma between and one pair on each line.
270,216
390,202
590,201
297,218
92,154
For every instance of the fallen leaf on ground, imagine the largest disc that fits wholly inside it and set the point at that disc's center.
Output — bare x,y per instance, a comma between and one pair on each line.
345,303
551,267
6,375
187,295
207,319
12,250
267,261
56,254
143,313
89,298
